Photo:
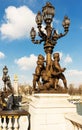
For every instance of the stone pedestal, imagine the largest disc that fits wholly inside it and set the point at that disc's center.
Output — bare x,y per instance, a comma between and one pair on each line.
47,111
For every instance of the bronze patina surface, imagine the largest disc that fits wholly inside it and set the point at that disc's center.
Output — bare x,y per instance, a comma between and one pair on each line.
13,113
48,70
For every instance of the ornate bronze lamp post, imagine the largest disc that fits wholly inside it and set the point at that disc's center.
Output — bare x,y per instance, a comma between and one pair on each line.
50,36
4,78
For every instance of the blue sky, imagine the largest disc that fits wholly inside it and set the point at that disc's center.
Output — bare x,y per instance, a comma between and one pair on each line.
19,54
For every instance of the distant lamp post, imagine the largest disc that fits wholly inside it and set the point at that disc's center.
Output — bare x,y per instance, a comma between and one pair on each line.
5,70
51,36
5,77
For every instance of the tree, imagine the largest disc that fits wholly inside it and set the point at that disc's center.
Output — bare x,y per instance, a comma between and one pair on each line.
25,89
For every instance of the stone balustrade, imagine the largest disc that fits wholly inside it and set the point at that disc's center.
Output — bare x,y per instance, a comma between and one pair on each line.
73,121
14,120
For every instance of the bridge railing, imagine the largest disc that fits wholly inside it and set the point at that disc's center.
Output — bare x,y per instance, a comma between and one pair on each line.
14,120
73,121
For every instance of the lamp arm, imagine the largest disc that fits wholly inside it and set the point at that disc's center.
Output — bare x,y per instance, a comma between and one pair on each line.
62,34
42,34
56,36
37,41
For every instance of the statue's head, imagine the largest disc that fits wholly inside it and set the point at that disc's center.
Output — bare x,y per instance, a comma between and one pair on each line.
40,57
56,56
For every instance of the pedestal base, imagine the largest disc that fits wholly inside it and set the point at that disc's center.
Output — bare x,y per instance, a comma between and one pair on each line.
47,111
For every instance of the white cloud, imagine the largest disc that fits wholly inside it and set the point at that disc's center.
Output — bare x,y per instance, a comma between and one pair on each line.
18,22
26,79
74,72
26,63
2,55
68,59
74,77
